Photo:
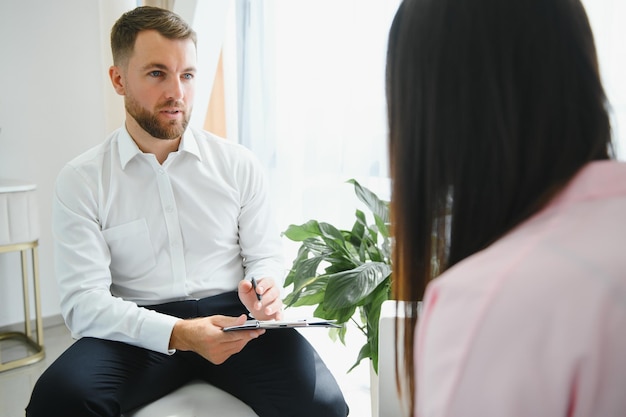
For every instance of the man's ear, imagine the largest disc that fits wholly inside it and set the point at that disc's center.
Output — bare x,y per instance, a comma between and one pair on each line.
117,80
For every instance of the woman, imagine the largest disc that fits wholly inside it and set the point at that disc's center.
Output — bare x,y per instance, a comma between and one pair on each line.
504,191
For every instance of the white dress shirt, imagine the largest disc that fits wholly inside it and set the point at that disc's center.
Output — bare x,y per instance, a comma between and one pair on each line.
129,231
535,324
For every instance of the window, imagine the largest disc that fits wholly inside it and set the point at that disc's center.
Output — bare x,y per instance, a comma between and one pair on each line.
312,101
607,22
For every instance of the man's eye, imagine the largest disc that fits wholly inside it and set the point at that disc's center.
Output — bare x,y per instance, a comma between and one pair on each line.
188,76
155,73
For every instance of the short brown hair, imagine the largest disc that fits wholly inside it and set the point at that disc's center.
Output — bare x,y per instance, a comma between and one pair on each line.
125,30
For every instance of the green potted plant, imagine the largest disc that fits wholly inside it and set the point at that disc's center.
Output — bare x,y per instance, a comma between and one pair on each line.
345,273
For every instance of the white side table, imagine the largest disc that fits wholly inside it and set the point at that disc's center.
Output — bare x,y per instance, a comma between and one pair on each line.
19,232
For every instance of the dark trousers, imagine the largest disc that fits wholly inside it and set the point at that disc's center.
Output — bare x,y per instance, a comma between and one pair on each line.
278,374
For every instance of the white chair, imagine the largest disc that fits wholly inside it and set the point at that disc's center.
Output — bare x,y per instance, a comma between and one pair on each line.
197,398
389,403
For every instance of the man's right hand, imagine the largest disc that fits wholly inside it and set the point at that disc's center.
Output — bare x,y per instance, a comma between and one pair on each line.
205,337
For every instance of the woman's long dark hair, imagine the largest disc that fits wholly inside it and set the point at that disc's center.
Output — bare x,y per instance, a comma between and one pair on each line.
493,106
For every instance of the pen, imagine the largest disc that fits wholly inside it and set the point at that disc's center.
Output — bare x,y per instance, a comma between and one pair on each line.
258,296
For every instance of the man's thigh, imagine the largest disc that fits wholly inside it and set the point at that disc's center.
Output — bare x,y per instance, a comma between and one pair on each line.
280,374
96,377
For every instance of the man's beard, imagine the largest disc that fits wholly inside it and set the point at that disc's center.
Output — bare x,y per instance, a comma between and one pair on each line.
149,122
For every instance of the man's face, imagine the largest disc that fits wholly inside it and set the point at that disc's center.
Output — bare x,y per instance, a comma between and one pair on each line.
158,84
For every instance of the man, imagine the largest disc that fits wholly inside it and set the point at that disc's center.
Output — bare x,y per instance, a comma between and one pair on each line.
158,232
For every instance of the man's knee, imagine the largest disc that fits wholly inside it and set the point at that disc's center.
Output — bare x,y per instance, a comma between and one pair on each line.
329,402
68,395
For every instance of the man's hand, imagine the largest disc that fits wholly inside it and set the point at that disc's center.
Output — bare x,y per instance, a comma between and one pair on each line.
270,306
205,337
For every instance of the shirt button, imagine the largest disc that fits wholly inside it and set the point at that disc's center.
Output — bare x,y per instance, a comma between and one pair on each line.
161,171
169,209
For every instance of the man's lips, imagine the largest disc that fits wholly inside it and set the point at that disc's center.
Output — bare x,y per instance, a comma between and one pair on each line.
173,113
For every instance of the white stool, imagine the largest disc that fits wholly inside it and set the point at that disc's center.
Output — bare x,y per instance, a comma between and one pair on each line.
197,398
19,232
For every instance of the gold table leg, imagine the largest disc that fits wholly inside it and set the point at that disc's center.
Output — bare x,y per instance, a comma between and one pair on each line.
36,346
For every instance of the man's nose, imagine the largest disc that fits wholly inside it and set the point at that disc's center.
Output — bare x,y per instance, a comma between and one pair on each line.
175,89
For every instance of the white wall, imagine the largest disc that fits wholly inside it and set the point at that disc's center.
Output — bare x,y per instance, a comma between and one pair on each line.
51,108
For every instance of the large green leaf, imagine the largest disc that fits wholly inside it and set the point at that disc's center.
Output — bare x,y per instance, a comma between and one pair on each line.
358,231
317,246
369,244
303,254
334,239
305,269
338,265
379,207
373,303
304,231
311,296
371,310
342,315
309,291
348,288
383,225
328,231
385,248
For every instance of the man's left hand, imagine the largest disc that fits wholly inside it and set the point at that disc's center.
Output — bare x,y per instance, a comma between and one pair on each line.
270,307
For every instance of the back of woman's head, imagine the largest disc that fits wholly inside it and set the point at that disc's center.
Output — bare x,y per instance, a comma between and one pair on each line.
492,105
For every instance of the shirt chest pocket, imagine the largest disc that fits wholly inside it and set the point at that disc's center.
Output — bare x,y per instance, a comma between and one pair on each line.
131,249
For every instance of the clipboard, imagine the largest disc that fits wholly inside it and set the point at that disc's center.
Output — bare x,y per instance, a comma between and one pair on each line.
283,324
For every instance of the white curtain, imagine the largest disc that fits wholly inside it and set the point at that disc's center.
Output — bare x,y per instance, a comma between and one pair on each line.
312,101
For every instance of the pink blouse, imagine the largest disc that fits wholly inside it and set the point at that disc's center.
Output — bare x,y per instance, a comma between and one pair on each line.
535,324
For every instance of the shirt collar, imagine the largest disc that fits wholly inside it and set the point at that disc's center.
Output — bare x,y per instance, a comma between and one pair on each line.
128,149
189,144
